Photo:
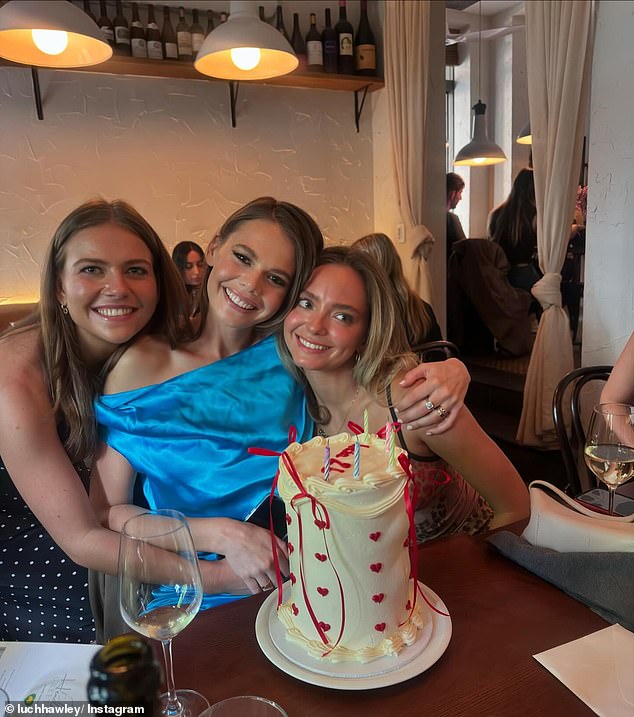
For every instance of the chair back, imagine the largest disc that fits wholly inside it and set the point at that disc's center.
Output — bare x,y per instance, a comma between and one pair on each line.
570,427
437,351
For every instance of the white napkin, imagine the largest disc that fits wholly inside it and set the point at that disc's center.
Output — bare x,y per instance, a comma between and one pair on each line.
598,668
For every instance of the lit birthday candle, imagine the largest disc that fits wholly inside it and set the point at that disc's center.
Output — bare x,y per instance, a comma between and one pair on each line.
365,422
327,461
391,447
356,470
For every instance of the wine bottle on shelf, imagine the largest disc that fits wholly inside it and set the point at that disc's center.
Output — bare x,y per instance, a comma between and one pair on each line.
210,21
365,47
297,42
88,11
197,33
183,37
104,23
138,43
125,673
329,43
279,21
345,47
121,32
154,44
314,48
170,46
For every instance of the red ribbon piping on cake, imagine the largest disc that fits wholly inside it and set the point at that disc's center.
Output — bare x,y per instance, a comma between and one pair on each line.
319,513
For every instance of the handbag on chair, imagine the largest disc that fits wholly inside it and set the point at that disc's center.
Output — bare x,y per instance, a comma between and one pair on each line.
560,523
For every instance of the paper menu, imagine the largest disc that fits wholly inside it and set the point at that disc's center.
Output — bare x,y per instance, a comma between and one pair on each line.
45,670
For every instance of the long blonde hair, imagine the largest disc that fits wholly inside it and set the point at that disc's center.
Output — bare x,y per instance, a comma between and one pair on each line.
72,385
385,349
416,314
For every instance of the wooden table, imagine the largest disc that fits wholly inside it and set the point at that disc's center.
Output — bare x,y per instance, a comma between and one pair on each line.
501,616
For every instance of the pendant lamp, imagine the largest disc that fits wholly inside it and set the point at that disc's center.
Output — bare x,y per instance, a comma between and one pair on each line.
245,48
50,33
481,151
525,136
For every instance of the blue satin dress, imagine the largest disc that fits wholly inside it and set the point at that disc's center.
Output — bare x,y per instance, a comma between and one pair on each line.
188,437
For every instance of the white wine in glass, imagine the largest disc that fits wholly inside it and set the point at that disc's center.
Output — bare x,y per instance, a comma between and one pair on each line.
609,449
160,591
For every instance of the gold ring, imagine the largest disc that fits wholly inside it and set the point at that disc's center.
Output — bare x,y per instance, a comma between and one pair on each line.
429,405
442,411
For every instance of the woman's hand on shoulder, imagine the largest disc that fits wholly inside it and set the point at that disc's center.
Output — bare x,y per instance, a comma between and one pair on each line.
433,396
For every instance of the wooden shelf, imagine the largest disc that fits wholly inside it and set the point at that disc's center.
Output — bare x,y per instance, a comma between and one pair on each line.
139,67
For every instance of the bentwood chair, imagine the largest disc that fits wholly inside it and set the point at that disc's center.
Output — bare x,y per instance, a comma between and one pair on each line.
437,351
570,424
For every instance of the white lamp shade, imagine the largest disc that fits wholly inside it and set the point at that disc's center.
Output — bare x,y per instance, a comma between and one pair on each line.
86,44
525,136
481,151
245,29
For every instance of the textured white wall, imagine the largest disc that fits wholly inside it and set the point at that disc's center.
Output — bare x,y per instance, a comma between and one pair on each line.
167,146
609,288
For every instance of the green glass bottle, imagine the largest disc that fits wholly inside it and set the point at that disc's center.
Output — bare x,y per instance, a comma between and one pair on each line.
125,672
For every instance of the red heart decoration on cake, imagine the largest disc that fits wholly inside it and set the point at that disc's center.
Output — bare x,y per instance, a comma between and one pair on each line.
323,591
378,597
321,524
295,609
380,627
376,567
409,605
324,626
291,547
288,519
321,557
375,536
292,578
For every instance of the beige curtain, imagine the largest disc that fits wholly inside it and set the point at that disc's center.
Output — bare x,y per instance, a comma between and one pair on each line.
558,54
406,39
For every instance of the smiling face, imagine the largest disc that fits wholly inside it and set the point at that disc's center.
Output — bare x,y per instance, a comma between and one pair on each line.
251,274
329,323
194,268
108,284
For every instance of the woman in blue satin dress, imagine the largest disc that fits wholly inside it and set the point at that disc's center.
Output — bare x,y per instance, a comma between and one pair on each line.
184,418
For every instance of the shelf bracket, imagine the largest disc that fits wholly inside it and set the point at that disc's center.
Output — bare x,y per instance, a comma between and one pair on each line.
233,98
358,108
36,93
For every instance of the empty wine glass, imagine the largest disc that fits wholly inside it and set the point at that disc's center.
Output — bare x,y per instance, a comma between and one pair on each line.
160,591
609,449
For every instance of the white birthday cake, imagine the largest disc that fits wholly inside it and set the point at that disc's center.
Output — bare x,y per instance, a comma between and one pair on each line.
351,596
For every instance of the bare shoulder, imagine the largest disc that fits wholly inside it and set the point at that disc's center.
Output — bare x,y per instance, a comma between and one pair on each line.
142,364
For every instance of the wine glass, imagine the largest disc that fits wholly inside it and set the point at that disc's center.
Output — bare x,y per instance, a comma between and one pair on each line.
609,449
160,591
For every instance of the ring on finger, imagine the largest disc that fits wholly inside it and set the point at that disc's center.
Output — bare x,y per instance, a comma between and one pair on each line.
429,405
442,411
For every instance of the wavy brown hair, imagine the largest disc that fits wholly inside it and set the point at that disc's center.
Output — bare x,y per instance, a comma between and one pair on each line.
298,226
385,348
71,383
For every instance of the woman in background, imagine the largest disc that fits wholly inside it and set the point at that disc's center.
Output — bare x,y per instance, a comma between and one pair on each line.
190,260
420,322
345,343
106,278
513,225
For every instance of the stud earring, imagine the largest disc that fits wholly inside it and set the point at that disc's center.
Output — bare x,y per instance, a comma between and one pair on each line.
64,309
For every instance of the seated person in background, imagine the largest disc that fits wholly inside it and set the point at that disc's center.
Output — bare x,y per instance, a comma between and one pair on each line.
418,316
345,343
190,260
455,185
513,225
